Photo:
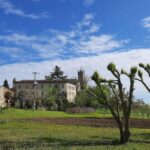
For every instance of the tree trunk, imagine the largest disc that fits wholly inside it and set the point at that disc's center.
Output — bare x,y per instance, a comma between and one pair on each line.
125,134
124,137
49,107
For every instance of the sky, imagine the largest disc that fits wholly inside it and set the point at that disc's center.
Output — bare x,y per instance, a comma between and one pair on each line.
36,35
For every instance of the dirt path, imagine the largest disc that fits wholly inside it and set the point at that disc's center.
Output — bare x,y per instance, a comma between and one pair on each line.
95,122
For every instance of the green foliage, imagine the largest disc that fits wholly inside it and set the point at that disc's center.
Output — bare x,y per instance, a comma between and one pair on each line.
140,74
85,98
145,67
51,98
140,79
111,67
145,110
57,74
133,70
95,77
142,65
82,99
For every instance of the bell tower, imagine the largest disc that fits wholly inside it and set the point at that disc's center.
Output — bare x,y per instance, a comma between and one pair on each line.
82,79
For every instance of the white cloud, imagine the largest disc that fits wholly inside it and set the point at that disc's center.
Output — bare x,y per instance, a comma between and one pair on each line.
101,43
90,64
83,38
146,22
9,8
88,2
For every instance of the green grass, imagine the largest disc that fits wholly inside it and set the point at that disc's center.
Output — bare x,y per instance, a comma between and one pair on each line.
20,113
17,134
28,135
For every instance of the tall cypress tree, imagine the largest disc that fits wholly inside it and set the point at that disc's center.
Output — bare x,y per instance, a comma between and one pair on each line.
6,84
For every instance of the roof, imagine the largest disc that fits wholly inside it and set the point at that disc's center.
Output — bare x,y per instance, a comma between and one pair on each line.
71,81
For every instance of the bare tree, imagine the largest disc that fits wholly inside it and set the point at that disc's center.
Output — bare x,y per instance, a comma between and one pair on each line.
113,95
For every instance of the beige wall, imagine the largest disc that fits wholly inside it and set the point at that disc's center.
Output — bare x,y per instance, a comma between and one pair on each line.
2,99
3,90
71,92
42,90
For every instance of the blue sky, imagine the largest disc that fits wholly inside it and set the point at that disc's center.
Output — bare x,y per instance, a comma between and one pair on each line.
35,35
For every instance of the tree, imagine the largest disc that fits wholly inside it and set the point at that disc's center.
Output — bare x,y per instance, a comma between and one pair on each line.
113,95
61,100
20,98
6,84
84,98
64,101
57,74
140,75
51,98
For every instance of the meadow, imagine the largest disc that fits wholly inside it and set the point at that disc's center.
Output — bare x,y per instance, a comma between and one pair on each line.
17,133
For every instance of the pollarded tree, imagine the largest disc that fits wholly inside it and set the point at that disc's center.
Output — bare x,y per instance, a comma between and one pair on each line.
113,95
140,75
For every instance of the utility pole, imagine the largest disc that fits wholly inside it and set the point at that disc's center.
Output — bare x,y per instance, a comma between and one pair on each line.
34,85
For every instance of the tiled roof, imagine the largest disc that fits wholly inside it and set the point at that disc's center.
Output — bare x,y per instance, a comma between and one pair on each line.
72,81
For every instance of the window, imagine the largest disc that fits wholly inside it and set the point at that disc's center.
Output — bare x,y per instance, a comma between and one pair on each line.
19,86
41,85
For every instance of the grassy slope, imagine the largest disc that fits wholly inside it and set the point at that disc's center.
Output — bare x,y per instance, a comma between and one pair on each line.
37,135
18,113
17,134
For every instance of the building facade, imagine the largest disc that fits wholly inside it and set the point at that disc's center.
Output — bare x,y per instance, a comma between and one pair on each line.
42,89
5,96
34,89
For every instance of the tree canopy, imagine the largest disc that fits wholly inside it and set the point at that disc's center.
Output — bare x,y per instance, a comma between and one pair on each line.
57,74
6,84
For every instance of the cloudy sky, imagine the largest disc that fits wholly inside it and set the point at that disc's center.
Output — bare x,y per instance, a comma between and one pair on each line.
36,35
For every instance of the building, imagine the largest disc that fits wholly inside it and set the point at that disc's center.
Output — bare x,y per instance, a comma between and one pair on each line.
5,96
41,89
31,89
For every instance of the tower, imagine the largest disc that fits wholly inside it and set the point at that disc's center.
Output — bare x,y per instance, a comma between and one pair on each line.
82,79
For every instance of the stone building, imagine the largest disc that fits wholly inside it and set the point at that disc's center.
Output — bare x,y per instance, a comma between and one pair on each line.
31,89
41,89
5,96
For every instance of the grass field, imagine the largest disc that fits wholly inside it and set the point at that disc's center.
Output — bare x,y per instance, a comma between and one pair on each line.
16,133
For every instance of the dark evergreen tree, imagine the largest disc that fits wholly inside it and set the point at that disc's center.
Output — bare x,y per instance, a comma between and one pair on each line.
57,74
6,84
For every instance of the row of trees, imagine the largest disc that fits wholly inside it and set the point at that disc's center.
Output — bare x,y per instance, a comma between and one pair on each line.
53,100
